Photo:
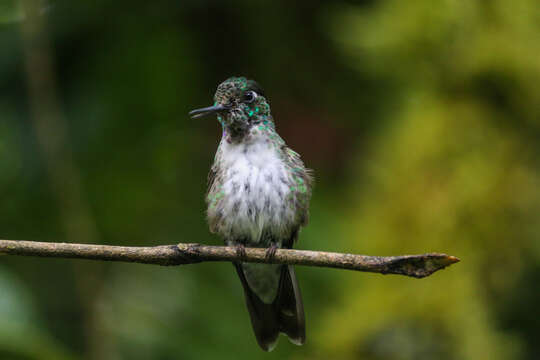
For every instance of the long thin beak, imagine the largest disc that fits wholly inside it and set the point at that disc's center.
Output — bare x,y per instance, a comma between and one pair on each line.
207,111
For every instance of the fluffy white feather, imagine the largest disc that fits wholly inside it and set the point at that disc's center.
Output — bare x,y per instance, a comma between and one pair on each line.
256,182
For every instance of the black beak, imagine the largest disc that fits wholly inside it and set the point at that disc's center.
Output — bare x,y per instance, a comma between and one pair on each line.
207,111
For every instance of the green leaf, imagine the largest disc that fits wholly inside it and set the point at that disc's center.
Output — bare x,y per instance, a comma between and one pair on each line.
11,11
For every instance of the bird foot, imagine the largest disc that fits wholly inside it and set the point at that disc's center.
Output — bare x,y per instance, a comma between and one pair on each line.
271,252
241,251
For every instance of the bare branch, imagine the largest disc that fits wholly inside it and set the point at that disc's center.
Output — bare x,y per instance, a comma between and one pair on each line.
417,266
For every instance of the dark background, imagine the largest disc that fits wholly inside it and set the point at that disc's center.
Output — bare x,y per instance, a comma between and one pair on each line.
421,120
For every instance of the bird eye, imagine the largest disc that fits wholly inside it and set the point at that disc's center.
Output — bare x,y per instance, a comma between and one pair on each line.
250,96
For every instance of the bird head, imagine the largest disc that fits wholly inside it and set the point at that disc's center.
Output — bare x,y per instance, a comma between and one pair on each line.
239,104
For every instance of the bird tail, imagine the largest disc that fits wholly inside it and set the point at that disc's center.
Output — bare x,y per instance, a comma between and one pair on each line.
285,314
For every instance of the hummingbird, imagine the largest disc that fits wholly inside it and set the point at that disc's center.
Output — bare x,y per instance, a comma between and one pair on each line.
258,196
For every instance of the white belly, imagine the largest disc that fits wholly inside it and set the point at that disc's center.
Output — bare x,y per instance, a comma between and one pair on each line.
256,202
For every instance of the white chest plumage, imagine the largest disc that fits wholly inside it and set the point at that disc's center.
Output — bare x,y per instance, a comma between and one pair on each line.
255,187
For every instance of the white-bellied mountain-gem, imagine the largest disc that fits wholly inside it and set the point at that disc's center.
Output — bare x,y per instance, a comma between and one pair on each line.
258,196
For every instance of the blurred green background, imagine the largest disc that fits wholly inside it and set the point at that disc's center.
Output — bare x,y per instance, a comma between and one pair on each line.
421,120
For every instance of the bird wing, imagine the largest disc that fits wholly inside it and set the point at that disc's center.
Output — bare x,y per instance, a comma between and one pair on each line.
303,183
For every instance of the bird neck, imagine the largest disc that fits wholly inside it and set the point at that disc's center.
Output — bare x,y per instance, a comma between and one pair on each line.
257,128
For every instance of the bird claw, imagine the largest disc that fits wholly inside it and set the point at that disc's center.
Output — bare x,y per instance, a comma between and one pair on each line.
271,252
241,251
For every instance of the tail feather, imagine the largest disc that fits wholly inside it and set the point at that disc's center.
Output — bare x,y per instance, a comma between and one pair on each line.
285,314
290,307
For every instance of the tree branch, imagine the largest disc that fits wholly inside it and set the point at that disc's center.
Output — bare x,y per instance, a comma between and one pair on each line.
417,266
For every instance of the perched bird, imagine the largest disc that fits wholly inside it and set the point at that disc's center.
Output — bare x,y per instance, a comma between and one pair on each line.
258,196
